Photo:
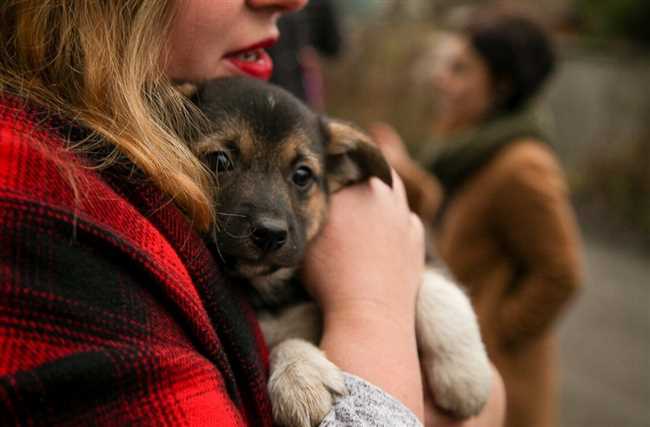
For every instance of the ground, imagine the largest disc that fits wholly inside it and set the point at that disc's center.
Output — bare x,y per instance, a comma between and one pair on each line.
606,342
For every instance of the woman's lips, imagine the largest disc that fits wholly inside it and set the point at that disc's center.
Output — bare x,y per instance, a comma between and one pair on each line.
253,60
255,63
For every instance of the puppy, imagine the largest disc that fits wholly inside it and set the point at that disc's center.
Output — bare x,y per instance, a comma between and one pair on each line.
276,163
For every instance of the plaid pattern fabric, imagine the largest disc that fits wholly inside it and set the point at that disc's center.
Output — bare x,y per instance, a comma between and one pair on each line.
112,310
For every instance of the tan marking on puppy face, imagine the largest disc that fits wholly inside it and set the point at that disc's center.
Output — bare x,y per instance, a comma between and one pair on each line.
316,213
209,144
296,147
295,152
289,148
232,134
246,143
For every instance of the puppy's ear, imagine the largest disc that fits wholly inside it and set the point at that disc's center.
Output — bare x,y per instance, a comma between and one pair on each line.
351,156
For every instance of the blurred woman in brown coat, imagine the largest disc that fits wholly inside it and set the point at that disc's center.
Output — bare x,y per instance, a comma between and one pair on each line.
499,204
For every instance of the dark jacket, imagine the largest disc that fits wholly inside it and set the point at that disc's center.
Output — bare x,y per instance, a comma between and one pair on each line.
112,309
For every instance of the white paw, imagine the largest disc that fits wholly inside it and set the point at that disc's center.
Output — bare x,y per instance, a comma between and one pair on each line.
452,353
303,384
460,386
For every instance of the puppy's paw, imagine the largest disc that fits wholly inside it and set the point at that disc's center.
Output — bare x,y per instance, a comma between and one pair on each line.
460,386
452,353
303,384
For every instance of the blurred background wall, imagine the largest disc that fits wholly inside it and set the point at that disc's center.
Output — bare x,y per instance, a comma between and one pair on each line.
599,103
599,99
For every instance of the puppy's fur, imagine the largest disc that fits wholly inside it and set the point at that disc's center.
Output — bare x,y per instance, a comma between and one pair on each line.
276,164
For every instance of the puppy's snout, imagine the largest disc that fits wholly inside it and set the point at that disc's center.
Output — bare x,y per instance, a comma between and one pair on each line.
270,234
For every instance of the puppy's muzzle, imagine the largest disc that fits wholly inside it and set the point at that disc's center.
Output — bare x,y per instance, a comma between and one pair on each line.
269,234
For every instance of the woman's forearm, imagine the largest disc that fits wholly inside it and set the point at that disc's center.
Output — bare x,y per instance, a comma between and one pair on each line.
378,348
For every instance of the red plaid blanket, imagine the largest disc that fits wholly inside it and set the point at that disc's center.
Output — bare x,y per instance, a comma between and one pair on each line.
112,309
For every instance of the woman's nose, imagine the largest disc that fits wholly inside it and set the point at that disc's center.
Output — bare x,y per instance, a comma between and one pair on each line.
283,5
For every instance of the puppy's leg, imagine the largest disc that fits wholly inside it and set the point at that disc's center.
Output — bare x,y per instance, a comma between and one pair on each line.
302,321
302,381
451,350
303,384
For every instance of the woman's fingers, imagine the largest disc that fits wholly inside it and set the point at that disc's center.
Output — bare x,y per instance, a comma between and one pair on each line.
399,190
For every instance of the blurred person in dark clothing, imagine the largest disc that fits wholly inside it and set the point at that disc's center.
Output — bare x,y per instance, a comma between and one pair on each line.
497,199
305,37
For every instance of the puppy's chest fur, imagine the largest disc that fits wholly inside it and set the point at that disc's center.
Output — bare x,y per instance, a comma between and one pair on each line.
281,290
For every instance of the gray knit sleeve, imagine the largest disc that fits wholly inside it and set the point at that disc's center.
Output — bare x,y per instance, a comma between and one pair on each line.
367,405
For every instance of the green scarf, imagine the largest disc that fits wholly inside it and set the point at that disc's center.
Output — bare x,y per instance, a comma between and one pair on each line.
457,159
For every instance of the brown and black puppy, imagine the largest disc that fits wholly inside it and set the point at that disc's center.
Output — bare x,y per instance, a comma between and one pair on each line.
276,164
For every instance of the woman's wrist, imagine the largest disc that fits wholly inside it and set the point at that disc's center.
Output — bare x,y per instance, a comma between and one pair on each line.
375,344
361,314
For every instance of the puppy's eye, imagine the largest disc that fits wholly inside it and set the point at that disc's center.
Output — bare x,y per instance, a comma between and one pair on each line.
220,161
303,177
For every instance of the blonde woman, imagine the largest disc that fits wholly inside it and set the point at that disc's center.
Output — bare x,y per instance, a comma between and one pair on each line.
112,310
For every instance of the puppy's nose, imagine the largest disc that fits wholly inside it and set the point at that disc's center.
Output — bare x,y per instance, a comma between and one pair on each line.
269,234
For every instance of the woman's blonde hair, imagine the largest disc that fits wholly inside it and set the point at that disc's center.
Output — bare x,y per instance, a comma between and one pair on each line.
100,63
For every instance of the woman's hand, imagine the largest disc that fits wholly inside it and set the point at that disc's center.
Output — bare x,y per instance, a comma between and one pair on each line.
370,256
364,270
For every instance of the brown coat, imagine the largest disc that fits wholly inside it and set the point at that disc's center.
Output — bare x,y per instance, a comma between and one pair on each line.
510,237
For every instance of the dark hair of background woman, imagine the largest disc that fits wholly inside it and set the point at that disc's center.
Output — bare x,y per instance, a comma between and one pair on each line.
517,52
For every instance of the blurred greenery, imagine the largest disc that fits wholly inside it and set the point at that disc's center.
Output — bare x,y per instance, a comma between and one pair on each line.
626,19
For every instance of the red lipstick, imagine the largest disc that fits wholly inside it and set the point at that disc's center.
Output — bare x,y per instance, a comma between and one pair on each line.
253,60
